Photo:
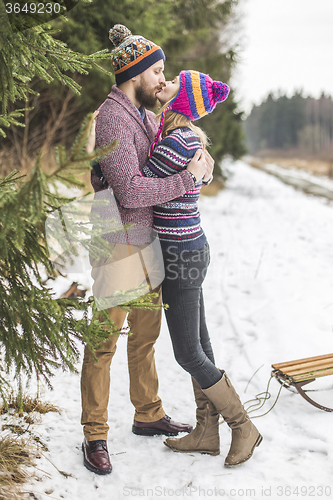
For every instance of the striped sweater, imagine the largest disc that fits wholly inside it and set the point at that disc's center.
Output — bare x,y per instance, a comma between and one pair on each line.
119,119
177,221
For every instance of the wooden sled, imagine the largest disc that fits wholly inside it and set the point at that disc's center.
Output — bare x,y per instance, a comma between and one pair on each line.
303,371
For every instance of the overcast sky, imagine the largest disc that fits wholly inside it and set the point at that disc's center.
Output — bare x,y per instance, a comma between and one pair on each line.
287,45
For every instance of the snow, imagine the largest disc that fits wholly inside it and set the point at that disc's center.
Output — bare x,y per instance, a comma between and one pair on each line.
294,172
300,179
269,299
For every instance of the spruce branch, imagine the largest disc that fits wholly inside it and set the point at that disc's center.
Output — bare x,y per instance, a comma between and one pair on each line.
35,52
78,160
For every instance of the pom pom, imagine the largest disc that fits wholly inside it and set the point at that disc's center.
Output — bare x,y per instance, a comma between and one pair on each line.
118,34
220,91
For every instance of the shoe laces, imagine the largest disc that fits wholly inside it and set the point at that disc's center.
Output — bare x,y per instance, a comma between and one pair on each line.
95,444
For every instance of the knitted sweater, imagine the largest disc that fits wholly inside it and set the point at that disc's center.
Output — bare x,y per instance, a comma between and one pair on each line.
119,119
177,221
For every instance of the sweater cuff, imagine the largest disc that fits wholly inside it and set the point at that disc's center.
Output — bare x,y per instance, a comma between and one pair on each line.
206,183
187,179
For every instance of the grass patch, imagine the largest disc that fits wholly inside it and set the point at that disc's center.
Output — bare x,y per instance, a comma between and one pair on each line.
21,404
310,165
15,456
20,446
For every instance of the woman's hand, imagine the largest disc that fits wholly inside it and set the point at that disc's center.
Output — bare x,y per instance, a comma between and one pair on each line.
198,165
210,166
90,146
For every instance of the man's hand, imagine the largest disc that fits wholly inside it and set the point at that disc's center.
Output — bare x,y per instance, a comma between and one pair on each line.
210,166
198,165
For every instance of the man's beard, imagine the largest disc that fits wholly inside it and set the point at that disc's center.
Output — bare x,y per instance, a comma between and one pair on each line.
146,95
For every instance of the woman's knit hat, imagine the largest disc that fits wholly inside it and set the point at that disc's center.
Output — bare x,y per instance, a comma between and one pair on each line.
197,96
133,54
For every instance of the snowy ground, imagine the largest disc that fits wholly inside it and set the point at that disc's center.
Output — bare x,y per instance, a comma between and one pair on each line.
307,182
269,298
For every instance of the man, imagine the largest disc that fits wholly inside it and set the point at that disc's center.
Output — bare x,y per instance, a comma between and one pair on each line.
138,64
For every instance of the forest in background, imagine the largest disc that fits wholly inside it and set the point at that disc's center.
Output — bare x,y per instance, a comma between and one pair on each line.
298,126
194,35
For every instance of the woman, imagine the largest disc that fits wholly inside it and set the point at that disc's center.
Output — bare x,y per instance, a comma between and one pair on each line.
185,99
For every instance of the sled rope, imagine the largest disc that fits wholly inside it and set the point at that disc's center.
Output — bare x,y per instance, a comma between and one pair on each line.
260,399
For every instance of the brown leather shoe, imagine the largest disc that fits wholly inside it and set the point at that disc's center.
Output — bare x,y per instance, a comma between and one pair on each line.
96,456
164,426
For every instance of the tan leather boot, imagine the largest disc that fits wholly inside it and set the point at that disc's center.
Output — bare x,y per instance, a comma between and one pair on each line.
205,437
245,436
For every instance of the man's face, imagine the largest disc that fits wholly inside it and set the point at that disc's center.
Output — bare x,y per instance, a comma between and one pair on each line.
149,84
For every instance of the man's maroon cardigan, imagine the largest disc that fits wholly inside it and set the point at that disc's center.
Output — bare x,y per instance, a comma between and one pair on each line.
119,119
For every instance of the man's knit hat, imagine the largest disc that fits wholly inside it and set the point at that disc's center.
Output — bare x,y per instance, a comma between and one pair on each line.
133,54
197,96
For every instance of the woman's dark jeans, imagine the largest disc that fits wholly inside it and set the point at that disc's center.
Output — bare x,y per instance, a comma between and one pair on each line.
182,291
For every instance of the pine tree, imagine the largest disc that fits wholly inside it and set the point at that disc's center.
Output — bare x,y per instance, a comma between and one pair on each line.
297,124
39,332
34,51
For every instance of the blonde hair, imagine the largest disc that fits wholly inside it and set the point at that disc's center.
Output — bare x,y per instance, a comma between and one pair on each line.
173,120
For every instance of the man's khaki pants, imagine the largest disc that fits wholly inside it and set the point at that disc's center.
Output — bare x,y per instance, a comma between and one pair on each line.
95,378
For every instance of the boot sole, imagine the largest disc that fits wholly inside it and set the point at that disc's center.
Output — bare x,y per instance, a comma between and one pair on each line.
203,452
257,443
149,431
90,467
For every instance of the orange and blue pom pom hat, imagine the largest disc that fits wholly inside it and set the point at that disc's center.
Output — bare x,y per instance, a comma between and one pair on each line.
197,96
133,54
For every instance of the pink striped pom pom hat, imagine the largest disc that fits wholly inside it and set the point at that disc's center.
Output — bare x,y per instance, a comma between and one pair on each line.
197,96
